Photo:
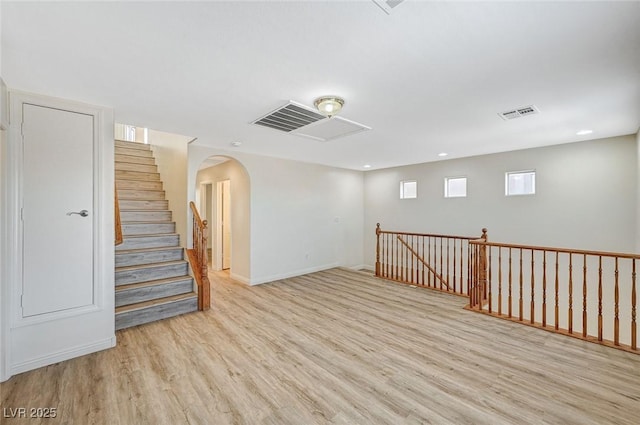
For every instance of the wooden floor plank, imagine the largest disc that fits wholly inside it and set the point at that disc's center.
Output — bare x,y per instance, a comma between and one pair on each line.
335,347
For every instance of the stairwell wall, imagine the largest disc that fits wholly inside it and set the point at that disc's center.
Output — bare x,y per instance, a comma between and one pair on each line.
170,152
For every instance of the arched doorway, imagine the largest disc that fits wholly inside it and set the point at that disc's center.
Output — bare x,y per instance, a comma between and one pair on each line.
222,196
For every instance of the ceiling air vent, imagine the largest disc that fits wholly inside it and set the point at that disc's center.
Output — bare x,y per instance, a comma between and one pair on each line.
289,117
520,112
387,5
331,128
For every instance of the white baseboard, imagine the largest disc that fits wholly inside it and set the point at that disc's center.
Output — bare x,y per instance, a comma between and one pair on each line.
280,276
62,355
362,267
240,278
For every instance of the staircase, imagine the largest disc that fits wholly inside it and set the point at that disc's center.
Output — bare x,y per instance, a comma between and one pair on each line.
152,277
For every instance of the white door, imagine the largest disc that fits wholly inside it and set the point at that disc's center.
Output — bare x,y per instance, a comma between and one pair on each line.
57,210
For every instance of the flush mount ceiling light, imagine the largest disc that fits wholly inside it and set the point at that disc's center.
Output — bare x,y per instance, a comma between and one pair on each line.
329,105
584,132
442,154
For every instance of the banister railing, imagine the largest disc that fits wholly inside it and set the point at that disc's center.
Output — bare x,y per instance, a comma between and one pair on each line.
427,260
590,295
118,223
198,258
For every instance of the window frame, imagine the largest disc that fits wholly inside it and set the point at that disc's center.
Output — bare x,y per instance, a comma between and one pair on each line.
402,189
522,172
446,186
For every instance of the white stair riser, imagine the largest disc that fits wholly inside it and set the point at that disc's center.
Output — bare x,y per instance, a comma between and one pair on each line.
126,166
138,185
129,216
151,314
140,194
148,228
143,205
149,242
124,259
136,175
154,292
135,159
144,274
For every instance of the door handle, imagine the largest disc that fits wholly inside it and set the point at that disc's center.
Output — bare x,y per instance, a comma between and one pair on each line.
83,213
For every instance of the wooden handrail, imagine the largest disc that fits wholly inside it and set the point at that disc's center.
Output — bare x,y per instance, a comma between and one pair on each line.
559,250
586,294
198,258
421,260
118,223
428,260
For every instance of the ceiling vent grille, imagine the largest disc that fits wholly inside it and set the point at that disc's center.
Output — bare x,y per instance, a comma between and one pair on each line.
331,129
289,117
387,5
520,112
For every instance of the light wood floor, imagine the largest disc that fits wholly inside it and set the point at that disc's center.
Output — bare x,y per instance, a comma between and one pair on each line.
336,347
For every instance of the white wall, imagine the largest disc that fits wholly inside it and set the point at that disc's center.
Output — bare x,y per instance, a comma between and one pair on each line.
4,288
304,217
586,197
45,339
240,213
638,192
170,151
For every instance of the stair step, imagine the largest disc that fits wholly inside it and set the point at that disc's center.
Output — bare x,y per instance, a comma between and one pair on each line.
148,228
136,175
140,194
134,257
133,152
153,290
149,241
132,145
150,311
127,166
135,159
146,272
145,215
138,184
143,204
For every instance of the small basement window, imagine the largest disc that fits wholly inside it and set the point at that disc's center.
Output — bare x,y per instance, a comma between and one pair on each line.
408,189
520,183
455,187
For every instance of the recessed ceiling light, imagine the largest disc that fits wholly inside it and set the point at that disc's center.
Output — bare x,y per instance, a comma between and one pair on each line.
584,132
366,166
236,144
443,154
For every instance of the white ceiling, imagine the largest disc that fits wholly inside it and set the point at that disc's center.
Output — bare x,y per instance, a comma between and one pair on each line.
429,78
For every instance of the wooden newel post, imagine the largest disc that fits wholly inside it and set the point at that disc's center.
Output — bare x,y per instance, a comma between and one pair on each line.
482,263
204,265
378,249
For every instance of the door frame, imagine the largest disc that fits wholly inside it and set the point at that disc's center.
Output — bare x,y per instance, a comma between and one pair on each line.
219,236
201,197
60,335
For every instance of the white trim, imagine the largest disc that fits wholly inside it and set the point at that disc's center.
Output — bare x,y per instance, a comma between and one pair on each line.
362,267
300,272
63,355
56,336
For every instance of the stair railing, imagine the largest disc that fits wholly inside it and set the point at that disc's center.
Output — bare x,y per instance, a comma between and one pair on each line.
199,259
118,223
591,295
433,261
